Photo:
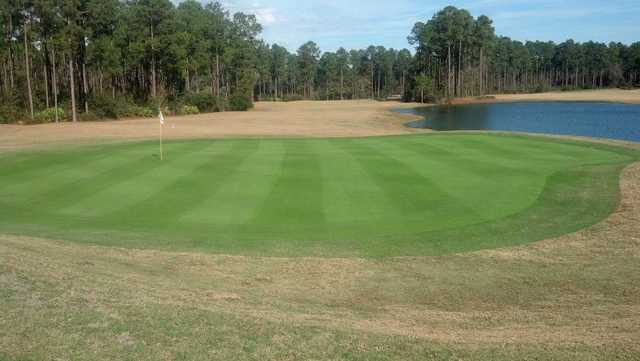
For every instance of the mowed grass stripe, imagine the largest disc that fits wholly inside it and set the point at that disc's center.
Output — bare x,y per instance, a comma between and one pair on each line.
232,203
167,202
295,203
27,165
179,162
410,193
537,152
61,169
70,193
518,189
351,195
488,146
476,161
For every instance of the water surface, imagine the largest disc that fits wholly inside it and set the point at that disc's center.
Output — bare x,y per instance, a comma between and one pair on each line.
589,119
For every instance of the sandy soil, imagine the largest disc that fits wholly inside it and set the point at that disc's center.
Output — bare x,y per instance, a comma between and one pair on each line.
305,118
605,95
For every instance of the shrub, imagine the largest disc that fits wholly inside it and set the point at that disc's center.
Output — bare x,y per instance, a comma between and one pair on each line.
205,102
189,109
88,117
292,98
240,102
485,97
48,115
540,89
107,107
10,113
154,103
138,111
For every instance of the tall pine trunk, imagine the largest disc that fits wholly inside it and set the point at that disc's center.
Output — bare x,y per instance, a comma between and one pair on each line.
197,80
218,75
373,92
459,80
85,87
72,86
481,71
72,82
341,83
27,67
153,65
448,70
45,61
12,80
54,80
5,77
46,81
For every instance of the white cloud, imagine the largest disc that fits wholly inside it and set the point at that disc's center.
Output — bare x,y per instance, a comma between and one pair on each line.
359,23
266,16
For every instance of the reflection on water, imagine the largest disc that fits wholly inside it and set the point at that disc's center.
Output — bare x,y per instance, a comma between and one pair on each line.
601,120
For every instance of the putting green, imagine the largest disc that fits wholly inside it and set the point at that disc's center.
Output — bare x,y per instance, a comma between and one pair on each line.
370,197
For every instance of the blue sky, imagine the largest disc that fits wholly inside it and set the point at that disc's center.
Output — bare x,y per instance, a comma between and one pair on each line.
359,23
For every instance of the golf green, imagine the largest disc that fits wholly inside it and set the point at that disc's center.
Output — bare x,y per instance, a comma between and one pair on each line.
370,197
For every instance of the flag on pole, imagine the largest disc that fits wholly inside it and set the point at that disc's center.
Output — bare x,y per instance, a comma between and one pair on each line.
161,118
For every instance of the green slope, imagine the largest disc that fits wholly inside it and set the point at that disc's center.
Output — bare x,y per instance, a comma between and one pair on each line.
371,197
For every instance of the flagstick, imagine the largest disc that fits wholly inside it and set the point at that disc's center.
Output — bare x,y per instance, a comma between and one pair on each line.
161,119
161,154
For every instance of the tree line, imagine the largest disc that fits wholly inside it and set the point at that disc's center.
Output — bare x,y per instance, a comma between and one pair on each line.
459,55
75,55
374,72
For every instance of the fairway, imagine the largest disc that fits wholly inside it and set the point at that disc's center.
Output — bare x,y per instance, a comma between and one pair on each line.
369,197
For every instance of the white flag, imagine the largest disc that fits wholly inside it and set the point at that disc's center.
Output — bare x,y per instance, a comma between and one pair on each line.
161,117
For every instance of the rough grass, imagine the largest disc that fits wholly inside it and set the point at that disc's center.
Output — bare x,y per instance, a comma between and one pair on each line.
370,197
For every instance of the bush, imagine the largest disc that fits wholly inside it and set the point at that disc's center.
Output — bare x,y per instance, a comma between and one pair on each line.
10,113
485,97
138,111
48,115
240,102
205,102
540,89
189,110
107,107
88,117
292,98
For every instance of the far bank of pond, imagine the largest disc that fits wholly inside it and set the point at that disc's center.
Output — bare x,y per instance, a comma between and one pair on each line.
589,119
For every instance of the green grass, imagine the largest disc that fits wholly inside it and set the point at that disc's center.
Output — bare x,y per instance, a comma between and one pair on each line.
369,197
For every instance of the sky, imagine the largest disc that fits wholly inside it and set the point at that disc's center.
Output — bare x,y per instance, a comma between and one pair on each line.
360,23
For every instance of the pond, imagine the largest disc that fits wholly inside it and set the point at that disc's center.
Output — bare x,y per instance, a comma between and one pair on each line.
589,119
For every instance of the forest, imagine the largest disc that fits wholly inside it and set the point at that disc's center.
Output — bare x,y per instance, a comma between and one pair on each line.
90,59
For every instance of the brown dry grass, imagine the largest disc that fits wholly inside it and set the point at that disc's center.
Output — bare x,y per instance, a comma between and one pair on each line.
294,119
603,95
